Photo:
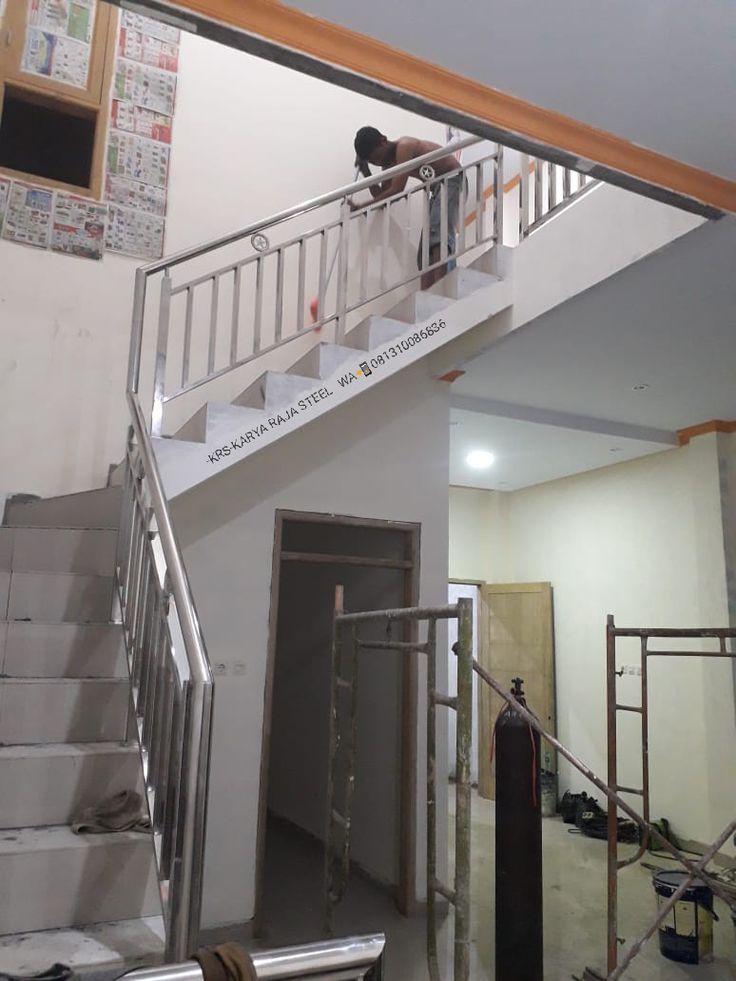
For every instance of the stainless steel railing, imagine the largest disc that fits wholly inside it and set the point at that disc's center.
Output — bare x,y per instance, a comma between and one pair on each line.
248,305
545,189
171,686
344,960
227,302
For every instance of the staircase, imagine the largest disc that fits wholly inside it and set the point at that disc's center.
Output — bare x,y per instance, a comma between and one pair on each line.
90,901
105,682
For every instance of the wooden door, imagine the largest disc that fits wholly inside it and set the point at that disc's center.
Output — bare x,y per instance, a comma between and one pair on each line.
516,640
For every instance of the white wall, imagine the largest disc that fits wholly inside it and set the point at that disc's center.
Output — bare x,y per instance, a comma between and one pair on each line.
644,541
250,138
657,74
384,455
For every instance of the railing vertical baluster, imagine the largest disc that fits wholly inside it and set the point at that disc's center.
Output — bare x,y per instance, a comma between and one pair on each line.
425,227
498,201
443,220
258,310
566,183
343,250
478,203
322,275
385,229
538,189
364,256
523,196
162,346
213,324
187,349
462,209
300,287
279,311
551,189
235,321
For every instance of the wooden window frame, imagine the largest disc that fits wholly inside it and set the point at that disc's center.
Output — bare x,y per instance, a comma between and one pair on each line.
95,98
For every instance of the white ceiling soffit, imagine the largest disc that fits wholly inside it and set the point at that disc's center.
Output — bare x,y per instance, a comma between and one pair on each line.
608,376
528,452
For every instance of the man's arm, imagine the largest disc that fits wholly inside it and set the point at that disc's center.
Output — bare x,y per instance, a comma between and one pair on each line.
404,151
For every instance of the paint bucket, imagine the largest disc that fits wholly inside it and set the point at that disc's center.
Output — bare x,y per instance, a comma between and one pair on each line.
686,934
548,791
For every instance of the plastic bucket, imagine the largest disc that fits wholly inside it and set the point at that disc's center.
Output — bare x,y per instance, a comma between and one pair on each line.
686,935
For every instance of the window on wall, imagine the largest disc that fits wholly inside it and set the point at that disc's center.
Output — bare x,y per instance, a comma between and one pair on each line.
56,61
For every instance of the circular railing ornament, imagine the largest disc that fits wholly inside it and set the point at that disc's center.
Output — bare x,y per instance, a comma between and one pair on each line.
260,242
427,172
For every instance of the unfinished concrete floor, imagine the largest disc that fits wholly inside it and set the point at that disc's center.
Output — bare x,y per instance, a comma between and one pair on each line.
575,919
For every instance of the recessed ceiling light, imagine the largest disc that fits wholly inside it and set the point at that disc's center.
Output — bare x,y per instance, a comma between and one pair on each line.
479,459
640,387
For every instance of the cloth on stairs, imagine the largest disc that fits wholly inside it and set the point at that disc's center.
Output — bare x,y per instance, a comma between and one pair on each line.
123,811
57,972
228,962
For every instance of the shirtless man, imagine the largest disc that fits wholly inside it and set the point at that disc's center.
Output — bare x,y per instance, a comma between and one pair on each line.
372,147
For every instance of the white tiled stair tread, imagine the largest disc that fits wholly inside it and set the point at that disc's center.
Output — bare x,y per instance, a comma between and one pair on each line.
375,331
322,361
49,784
214,416
53,878
462,282
62,650
123,944
419,306
50,596
273,390
56,710
89,509
89,551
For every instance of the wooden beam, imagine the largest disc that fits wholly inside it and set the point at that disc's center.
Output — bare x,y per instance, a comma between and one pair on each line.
295,31
327,558
712,426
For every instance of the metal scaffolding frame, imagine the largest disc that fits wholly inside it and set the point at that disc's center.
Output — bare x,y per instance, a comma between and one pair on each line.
459,897
346,645
644,635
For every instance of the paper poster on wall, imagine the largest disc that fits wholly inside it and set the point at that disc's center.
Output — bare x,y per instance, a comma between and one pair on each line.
59,39
134,233
78,226
144,86
138,158
136,194
28,215
146,25
148,50
4,192
143,122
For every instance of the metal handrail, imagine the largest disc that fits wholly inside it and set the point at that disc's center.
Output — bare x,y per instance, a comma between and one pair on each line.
312,204
350,954
172,709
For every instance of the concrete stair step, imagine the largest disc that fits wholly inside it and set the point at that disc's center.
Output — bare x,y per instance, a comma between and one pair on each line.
60,710
419,306
98,508
374,332
62,650
53,878
88,551
322,361
462,282
55,596
97,952
274,390
49,784
216,416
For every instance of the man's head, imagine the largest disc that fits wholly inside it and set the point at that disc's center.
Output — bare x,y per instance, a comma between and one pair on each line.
371,145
